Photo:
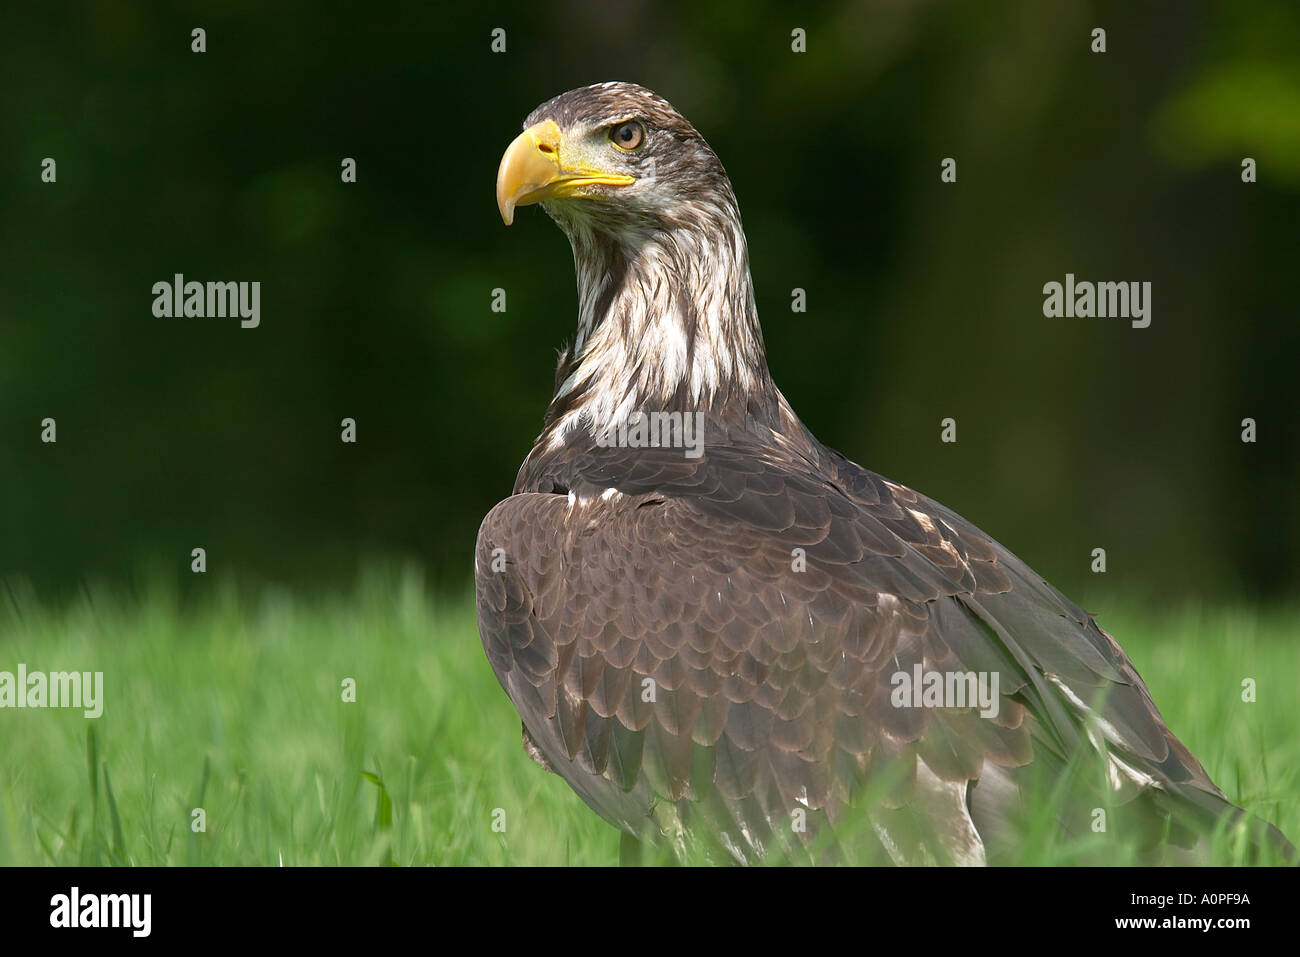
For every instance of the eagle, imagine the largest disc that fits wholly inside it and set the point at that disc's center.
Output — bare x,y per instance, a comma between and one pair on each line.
737,645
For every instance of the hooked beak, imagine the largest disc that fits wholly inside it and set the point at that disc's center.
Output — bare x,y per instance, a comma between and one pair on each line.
534,170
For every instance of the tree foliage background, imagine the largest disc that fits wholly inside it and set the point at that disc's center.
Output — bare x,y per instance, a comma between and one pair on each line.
924,299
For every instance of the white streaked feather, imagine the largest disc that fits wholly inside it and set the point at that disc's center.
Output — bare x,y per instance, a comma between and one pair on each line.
1114,765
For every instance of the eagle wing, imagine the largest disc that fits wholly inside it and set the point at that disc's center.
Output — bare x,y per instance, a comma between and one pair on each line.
706,651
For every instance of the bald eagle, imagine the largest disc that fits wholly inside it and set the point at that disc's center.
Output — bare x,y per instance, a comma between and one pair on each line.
733,642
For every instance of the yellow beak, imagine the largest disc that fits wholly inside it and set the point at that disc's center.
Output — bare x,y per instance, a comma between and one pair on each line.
533,170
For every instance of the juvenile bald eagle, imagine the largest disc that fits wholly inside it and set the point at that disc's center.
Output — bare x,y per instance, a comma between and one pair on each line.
702,613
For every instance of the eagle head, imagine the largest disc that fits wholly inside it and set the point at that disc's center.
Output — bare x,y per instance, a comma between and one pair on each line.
666,311
615,158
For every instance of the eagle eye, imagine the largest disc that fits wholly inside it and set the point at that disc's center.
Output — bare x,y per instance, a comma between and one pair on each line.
627,136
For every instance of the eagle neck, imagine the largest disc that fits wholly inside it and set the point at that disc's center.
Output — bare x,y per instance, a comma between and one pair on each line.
667,323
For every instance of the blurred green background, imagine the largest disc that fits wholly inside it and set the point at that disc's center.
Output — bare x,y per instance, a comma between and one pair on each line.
924,299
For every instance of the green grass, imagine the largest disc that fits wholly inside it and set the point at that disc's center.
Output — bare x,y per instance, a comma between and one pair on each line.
233,703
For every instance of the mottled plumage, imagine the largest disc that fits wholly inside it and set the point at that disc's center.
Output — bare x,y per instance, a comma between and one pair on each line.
767,591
